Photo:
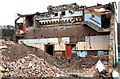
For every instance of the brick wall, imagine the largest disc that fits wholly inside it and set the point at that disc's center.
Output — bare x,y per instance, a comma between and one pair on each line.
76,33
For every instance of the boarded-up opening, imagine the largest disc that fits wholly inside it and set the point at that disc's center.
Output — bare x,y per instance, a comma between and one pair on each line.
70,50
49,49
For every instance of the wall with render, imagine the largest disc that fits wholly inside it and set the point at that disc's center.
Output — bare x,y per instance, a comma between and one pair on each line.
60,47
91,43
59,43
45,40
94,43
41,46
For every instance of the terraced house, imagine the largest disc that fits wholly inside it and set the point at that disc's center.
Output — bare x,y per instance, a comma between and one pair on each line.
70,30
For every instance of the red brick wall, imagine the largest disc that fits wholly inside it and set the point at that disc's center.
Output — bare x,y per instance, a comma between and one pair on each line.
76,33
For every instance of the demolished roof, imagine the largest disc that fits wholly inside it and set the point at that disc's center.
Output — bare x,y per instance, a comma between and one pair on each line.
74,7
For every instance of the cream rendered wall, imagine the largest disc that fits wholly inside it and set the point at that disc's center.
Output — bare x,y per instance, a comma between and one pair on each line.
59,46
41,46
96,43
93,45
81,46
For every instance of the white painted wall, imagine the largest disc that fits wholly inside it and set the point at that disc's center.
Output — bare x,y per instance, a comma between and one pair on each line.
95,42
43,40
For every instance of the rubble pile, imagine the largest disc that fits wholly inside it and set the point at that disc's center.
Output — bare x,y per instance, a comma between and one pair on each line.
31,66
15,51
81,63
25,61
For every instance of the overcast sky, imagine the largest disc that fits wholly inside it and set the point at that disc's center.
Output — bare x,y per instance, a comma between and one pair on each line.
9,8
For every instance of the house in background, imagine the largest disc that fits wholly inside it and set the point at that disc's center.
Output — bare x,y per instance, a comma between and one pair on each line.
69,30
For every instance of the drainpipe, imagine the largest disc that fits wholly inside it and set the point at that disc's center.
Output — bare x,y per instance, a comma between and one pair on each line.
116,38
115,41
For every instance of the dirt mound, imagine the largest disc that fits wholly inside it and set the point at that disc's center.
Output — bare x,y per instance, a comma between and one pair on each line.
13,55
26,61
15,52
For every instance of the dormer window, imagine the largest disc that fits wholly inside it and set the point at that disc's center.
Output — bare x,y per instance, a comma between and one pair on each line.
63,13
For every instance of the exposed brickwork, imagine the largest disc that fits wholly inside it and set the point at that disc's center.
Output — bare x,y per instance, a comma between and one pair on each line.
75,33
111,38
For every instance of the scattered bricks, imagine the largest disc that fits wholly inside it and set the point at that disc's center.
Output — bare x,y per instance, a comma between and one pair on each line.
32,66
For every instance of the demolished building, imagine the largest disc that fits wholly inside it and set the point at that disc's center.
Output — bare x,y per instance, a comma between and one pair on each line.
69,30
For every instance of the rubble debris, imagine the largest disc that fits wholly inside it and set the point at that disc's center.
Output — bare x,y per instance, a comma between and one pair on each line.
31,66
15,51
27,61
2,68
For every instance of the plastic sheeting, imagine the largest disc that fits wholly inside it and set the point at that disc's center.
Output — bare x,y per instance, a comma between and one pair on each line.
100,66
101,53
82,53
116,75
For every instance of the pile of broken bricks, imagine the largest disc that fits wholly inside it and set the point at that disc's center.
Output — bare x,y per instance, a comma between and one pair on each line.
31,66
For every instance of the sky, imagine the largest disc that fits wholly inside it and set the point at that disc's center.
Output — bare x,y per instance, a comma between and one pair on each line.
9,8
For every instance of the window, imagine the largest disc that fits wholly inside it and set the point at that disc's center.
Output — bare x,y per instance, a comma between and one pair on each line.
56,14
70,11
63,13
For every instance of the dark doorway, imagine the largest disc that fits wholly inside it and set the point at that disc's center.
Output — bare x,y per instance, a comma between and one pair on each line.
49,49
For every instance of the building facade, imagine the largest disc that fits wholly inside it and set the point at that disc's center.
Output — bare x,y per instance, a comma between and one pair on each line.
68,30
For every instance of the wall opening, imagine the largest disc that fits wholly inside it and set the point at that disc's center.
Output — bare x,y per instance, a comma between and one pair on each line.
29,20
56,14
63,13
106,20
49,49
